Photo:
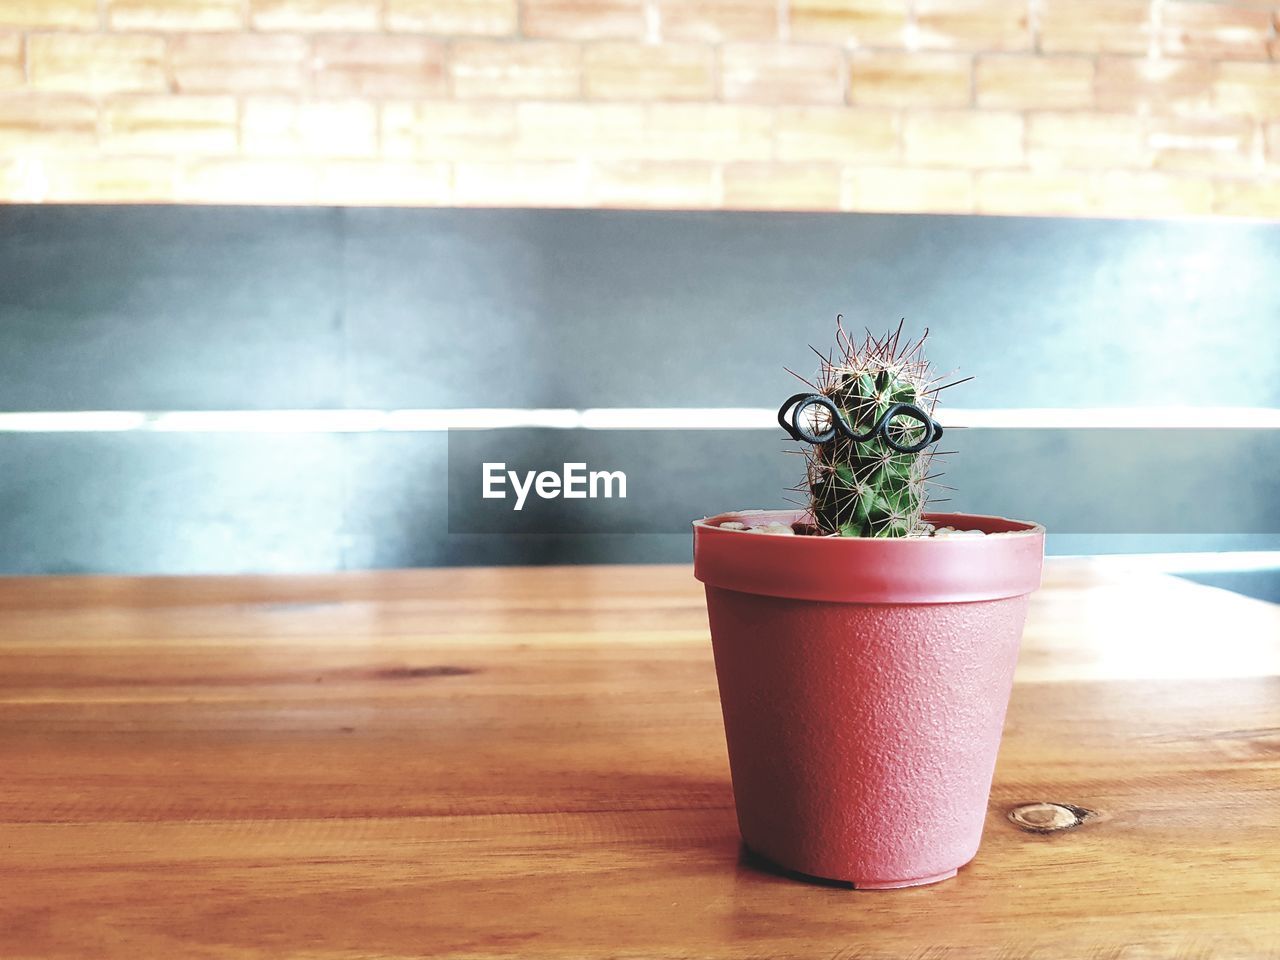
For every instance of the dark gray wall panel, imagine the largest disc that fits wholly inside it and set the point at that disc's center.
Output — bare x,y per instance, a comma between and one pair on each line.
398,516
1156,482
211,308
160,308
1202,482
588,308
170,503
226,503
450,311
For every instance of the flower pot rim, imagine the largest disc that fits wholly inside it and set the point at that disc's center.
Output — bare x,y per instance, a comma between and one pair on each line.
1005,526
1005,563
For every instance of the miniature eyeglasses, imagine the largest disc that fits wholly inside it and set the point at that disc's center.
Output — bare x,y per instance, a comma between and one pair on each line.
802,431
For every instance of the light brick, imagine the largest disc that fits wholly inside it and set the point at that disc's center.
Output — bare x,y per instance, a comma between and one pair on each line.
1034,192
1146,194
331,128
1252,89
584,19
314,15
1086,140
95,63
43,124
654,185
378,67
1095,26
1254,197
175,14
50,14
1217,30
247,63
447,18
169,125
910,79
383,183
716,132
773,73
963,139
782,186
448,131
553,131
1024,83
854,23
631,71
1202,144
837,134
233,180
103,179
973,24
532,70
1145,84
12,70
562,183
898,190
741,104
717,21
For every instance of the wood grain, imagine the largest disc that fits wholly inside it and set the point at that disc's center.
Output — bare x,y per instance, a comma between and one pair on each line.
530,763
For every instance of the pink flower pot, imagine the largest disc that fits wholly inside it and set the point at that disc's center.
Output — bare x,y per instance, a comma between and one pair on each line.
864,684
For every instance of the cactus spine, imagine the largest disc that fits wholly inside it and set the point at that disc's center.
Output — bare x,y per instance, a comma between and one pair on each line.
869,489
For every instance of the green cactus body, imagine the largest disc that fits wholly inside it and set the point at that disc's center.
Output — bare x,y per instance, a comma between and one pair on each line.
867,488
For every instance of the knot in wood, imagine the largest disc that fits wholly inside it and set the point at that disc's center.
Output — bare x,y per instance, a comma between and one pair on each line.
1048,817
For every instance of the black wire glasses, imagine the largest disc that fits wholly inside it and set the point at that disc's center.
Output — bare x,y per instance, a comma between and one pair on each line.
803,429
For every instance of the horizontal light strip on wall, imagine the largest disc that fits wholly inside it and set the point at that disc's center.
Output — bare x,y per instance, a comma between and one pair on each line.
1230,561
601,418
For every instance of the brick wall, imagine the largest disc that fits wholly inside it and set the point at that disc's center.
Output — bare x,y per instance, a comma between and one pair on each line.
1112,107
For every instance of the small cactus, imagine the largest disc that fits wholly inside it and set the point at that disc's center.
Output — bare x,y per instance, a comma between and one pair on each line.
868,487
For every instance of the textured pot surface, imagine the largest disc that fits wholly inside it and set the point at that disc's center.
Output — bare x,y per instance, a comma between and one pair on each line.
862,717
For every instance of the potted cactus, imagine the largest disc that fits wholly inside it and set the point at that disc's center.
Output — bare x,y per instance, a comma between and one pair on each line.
865,647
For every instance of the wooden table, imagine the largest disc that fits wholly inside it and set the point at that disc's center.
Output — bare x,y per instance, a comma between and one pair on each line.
530,763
